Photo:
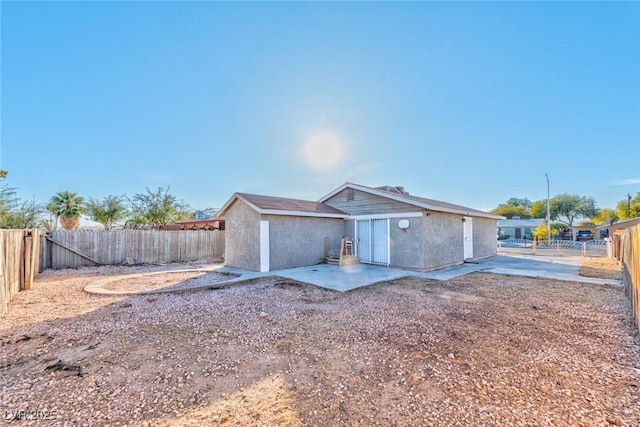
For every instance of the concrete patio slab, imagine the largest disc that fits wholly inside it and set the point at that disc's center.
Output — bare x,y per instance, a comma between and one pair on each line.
359,275
341,278
560,268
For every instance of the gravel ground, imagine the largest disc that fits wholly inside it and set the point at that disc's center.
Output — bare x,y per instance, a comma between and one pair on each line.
167,281
479,350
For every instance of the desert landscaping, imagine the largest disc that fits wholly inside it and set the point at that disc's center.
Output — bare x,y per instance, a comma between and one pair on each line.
481,349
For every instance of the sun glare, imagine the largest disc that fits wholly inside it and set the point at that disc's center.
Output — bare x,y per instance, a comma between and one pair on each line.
323,151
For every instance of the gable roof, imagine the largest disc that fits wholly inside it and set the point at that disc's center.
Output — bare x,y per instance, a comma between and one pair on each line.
421,202
283,206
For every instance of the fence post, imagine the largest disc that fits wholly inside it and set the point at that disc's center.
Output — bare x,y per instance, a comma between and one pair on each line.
533,247
26,282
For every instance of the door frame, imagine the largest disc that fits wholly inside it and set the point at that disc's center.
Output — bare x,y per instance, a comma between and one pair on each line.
467,237
372,236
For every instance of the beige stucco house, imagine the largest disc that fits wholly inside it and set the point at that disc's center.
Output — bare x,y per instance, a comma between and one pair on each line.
387,226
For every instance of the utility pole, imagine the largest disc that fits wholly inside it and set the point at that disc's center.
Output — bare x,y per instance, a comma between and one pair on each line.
548,212
628,205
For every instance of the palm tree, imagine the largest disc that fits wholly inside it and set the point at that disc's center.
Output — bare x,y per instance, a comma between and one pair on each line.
69,207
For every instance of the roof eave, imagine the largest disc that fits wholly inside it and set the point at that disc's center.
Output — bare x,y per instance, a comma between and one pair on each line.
620,223
237,196
301,213
234,197
227,204
400,198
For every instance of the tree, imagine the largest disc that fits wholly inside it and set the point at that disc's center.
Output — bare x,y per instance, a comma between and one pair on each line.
8,202
567,207
16,213
605,217
69,207
514,207
156,210
629,208
26,214
511,211
52,223
107,211
541,232
539,209
515,201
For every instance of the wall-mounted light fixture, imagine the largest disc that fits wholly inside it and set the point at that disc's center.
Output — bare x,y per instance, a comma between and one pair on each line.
403,224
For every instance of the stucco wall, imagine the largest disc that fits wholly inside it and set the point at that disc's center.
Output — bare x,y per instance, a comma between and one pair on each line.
350,229
242,237
407,247
443,240
485,242
299,241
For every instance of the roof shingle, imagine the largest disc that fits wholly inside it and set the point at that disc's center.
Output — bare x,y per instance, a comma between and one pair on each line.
292,205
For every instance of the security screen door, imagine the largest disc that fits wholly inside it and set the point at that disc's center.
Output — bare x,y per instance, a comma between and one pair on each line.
372,240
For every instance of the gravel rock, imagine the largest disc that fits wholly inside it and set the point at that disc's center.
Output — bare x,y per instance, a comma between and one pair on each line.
470,351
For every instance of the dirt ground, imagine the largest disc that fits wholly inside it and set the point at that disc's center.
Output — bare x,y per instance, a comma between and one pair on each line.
603,268
479,350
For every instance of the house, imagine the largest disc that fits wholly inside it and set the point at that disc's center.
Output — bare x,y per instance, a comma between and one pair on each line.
579,233
609,230
517,228
198,224
390,228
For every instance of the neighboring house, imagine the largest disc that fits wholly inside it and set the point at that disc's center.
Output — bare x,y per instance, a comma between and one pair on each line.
206,214
517,228
608,230
388,227
574,233
198,224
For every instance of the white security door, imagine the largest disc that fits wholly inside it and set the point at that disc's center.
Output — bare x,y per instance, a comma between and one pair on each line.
372,240
380,241
363,240
467,233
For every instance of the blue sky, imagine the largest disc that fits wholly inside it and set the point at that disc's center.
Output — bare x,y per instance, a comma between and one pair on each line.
470,103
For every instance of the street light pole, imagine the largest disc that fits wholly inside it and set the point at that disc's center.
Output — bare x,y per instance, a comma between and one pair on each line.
548,212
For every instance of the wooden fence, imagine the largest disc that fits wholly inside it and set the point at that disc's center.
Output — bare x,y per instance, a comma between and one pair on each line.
63,249
19,263
630,258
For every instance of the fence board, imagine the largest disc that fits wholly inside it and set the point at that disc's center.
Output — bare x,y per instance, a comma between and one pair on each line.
142,246
630,259
19,263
